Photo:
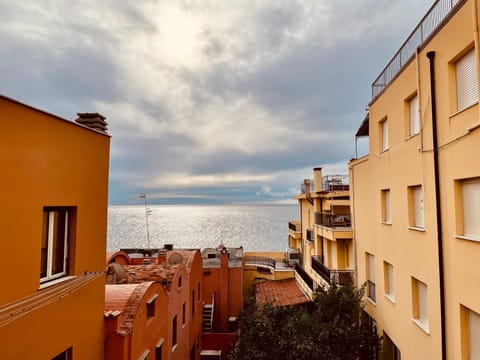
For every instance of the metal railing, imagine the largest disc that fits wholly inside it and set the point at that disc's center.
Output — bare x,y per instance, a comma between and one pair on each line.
303,187
305,277
335,182
371,291
333,220
339,277
260,260
437,13
294,227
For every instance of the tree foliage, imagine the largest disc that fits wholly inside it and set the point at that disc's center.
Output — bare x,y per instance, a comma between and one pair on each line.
329,328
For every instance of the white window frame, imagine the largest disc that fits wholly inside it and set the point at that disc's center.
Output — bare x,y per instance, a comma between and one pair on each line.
416,207
389,285
414,116
470,198
420,304
384,135
50,212
472,333
386,206
466,78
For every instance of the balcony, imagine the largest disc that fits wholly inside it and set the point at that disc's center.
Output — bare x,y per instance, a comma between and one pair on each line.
339,277
310,235
335,183
433,19
333,220
294,226
305,277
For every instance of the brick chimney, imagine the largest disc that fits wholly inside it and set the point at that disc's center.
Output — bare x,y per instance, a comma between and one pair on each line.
94,121
317,179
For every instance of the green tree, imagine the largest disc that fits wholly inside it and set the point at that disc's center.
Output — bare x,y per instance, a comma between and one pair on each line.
329,328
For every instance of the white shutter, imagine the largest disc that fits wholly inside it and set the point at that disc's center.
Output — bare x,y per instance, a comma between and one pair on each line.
471,208
371,267
422,303
386,204
414,116
467,80
384,135
474,335
418,206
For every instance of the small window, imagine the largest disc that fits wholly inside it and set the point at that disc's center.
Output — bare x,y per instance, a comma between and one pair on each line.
390,350
183,314
388,281
55,239
370,267
470,200
386,209
65,355
470,325
384,135
416,207
414,117
159,350
174,331
179,282
151,307
420,304
466,77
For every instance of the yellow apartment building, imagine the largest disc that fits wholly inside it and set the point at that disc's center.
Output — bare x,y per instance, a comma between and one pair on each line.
54,189
416,194
323,235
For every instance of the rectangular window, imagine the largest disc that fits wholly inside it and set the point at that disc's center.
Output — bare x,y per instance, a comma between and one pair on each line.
370,267
414,117
466,80
193,303
384,135
183,314
470,199
388,280
470,325
179,282
54,252
386,212
415,205
65,355
159,350
174,331
420,304
390,350
151,307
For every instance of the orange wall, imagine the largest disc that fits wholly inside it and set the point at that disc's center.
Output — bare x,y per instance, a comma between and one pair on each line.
195,281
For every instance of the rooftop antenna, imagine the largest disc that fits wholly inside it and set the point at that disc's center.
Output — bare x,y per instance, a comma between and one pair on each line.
147,211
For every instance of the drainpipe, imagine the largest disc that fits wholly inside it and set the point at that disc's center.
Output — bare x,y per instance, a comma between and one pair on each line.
431,57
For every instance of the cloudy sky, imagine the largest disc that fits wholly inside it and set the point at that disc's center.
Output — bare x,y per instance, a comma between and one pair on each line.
208,101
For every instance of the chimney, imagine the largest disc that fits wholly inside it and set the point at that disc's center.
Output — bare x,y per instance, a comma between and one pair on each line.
317,179
93,121
161,257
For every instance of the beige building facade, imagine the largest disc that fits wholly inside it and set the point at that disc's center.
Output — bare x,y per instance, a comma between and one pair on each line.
416,194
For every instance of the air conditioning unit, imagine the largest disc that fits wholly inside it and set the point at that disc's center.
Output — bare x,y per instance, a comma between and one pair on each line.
292,256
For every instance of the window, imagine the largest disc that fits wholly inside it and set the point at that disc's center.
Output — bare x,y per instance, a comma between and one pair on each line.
193,303
388,281
54,254
416,209
151,307
174,332
414,117
179,282
370,267
466,80
65,355
198,292
420,303
159,350
183,314
390,350
470,201
386,213
384,135
470,325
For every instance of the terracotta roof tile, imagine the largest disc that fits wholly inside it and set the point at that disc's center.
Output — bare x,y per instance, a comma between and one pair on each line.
280,293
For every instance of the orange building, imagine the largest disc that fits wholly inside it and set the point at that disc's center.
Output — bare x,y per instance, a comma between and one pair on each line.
54,185
175,329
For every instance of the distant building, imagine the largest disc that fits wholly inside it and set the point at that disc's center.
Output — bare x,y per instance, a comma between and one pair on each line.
54,188
323,237
416,194
163,316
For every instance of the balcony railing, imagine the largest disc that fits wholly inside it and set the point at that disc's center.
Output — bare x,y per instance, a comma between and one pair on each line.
294,227
437,13
335,183
371,291
333,220
303,187
305,277
260,260
339,277
310,235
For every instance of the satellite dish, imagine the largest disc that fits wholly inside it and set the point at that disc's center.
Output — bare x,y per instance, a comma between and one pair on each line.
175,258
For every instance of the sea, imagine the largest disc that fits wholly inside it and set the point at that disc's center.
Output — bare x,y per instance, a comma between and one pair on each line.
254,227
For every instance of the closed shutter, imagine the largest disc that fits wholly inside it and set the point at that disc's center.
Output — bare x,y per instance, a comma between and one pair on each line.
474,334
471,208
386,204
418,206
390,289
414,116
371,267
422,302
467,80
384,135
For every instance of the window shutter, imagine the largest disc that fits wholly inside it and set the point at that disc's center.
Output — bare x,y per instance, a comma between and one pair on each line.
414,116
371,268
474,334
467,80
386,199
384,135
422,302
418,204
471,208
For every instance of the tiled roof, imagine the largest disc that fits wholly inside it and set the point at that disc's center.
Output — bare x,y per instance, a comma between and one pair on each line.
280,293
